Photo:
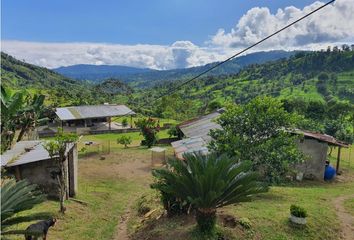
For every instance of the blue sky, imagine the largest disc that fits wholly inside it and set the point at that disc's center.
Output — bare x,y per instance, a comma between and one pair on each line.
163,34
125,22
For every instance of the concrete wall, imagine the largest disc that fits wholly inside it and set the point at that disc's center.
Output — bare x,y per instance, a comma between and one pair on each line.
73,171
39,173
316,153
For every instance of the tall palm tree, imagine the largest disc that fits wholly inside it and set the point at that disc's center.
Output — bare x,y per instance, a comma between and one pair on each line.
17,197
208,182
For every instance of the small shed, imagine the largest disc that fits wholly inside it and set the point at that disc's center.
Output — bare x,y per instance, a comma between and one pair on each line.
30,160
315,147
88,116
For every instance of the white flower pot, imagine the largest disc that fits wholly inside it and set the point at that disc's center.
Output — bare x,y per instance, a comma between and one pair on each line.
297,220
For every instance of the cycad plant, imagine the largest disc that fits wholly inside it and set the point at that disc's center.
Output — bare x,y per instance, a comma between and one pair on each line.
15,198
208,182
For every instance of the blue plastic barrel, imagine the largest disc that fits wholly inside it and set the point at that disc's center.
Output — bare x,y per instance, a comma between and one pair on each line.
330,173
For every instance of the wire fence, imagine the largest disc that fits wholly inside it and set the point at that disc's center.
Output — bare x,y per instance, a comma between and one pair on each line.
346,156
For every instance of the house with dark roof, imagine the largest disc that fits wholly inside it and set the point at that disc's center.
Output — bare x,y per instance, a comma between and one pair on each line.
30,160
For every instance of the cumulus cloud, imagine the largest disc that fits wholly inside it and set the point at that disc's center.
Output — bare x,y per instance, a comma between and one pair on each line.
180,54
334,23
331,25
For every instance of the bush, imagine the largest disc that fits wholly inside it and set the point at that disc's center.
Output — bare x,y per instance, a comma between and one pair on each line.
124,122
124,140
298,211
173,131
149,128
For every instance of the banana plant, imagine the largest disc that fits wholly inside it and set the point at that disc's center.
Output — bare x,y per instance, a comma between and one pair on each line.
11,104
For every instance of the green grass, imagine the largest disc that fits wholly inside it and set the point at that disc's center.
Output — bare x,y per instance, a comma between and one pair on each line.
110,190
349,206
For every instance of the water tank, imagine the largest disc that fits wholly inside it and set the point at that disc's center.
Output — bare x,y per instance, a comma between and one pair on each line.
330,173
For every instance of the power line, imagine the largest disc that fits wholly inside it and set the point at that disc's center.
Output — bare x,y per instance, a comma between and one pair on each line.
237,54
242,51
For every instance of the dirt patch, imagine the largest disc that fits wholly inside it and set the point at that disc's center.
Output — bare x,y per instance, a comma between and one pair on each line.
346,219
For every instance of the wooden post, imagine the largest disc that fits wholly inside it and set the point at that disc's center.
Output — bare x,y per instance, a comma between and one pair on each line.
338,160
131,121
17,173
109,123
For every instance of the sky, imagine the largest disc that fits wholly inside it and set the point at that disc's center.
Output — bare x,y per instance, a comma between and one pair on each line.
163,34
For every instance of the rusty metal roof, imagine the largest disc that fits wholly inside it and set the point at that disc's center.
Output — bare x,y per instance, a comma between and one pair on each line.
26,152
93,111
322,137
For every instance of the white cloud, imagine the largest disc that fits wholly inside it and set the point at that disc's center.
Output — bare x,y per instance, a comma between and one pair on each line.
329,26
333,23
180,54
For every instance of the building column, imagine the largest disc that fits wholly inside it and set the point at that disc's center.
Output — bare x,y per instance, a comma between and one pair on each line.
109,123
131,121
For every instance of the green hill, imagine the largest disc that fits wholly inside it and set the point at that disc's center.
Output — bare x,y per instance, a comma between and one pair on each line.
59,90
312,76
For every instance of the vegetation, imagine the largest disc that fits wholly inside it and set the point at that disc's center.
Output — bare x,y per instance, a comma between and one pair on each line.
19,111
298,211
124,140
207,183
17,197
149,128
257,131
57,150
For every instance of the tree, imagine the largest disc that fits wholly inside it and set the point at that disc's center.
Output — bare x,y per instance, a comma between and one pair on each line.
257,131
124,140
149,128
17,197
18,111
57,151
10,106
29,116
208,182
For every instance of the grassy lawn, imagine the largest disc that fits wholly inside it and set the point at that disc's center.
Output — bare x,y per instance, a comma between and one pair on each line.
113,186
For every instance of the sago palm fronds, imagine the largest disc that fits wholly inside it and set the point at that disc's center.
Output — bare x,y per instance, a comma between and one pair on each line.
15,198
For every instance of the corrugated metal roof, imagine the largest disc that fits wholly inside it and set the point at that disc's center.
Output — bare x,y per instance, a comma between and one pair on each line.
93,111
190,145
322,137
200,127
25,152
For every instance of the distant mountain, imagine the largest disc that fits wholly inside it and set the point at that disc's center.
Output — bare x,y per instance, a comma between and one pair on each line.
58,89
142,77
99,72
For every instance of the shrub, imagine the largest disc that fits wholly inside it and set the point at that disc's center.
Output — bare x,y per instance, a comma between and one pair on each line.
149,128
298,211
245,222
207,183
124,122
173,131
124,140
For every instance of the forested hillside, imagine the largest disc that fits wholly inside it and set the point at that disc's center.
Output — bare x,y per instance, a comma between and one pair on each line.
59,90
144,78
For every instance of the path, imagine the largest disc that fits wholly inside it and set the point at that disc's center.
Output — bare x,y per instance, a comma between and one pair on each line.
122,229
346,219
